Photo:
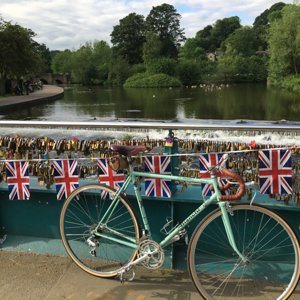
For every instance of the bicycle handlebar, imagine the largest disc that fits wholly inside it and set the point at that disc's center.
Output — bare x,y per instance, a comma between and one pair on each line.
240,181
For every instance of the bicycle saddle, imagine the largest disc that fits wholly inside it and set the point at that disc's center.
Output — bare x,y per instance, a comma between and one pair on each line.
128,150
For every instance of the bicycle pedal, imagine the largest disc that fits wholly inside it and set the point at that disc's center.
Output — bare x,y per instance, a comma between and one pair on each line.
123,275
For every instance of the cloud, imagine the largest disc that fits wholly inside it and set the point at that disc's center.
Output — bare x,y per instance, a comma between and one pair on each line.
64,24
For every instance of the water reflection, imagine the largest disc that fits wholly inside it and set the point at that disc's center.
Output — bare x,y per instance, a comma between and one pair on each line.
247,101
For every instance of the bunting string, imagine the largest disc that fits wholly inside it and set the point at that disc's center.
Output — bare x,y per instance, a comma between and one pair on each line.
41,154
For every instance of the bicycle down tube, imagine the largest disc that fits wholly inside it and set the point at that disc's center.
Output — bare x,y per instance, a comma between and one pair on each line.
175,230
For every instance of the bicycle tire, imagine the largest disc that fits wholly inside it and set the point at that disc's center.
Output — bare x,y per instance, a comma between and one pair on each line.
79,216
265,238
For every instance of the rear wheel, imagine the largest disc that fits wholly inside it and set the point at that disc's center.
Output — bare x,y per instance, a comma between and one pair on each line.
104,251
263,237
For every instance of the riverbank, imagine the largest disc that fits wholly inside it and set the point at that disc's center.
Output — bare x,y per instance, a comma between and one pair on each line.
49,92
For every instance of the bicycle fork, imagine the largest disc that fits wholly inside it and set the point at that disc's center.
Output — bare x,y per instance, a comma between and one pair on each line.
225,210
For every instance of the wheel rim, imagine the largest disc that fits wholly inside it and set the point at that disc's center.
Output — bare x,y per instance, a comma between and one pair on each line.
80,215
271,271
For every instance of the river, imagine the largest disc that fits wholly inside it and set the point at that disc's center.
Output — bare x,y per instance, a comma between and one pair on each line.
218,102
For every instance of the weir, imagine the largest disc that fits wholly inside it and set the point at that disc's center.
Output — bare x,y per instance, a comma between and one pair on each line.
33,225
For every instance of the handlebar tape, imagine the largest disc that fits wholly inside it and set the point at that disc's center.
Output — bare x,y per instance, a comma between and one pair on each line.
239,179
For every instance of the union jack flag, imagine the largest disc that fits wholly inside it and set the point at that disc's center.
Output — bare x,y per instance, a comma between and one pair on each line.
275,171
155,187
108,176
65,177
17,180
207,161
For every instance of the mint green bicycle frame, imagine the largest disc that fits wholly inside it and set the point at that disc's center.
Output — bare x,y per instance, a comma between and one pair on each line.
132,179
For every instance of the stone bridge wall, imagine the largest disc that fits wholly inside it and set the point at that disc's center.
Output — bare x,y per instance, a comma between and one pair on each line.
52,78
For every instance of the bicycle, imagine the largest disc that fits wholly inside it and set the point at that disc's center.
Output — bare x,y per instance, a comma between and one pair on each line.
237,251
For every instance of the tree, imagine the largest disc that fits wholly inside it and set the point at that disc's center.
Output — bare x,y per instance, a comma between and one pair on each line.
62,62
211,38
165,22
284,44
204,38
233,66
243,40
19,53
223,28
192,51
162,65
101,59
189,73
262,23
119,71
263,18
152,47
193,62
128,38
45,56
84,69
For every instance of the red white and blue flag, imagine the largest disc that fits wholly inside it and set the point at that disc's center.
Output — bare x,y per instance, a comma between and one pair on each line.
206,161
65,177
275,171
17,178
108,176
155,187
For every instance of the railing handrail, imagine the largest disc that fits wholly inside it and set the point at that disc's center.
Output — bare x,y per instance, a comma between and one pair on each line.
214,125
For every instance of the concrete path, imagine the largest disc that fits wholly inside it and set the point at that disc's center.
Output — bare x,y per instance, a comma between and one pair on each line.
29,276
32,276
49,92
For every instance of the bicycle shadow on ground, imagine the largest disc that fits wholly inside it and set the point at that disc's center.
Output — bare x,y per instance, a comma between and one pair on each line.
170,285
164,285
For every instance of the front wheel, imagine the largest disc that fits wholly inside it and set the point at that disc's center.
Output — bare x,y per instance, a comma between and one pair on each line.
264,238
99,246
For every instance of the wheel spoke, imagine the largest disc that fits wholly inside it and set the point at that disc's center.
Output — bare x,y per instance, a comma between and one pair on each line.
269,244
79,221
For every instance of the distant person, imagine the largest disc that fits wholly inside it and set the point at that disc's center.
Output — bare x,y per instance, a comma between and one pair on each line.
26,84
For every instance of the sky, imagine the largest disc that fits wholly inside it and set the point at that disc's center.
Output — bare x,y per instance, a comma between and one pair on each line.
69,24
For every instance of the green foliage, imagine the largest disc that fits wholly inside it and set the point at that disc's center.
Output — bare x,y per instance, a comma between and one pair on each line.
291,83
88,65
263,18
152,47
243,40
83,69
128,38
191,50
164,65
119,71
189,73
62,62
164,21
146,80
284,44
20,55
239,68
45,56
211,37
138,68
262,23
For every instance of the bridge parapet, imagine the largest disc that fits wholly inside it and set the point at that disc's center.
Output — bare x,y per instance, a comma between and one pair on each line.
41,142
55,78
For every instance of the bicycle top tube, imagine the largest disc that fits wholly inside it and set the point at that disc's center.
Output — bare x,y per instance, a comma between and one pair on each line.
129,151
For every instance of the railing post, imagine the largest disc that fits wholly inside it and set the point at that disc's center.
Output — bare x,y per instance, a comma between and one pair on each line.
171,147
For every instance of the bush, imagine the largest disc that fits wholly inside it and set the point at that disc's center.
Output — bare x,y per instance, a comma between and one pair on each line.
164,65
291,83
146,80
189,73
